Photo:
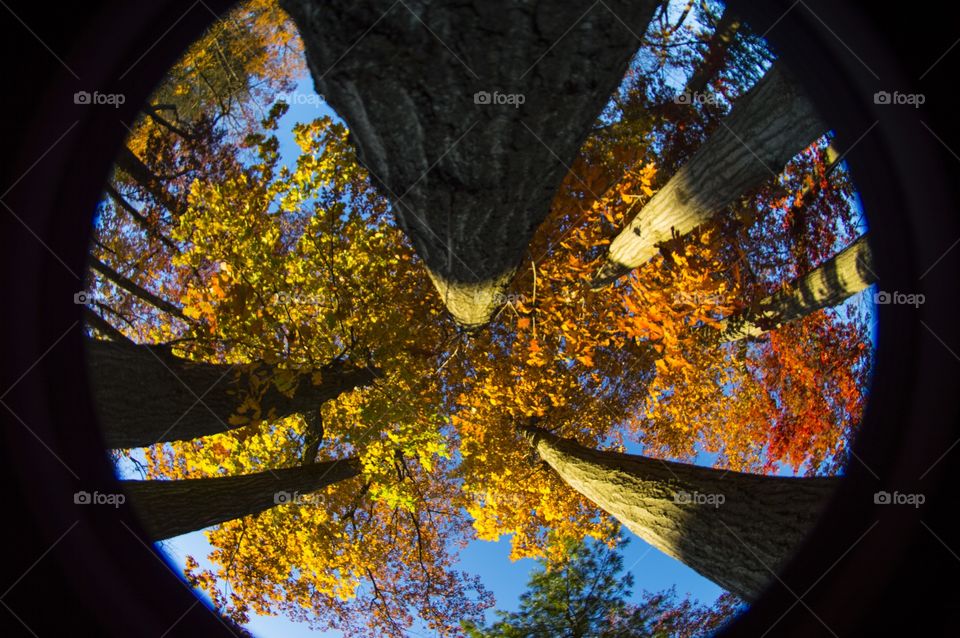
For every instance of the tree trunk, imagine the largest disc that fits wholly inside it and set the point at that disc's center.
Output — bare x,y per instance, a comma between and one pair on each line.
100,324
136,290
716,53
171,508
840,277
145,395
730,527
140,173
768,126
468,115
139,218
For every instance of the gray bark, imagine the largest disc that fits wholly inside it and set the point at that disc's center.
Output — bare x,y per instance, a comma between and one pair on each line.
171,508
840,277
144,394
768,126
469,182
738,543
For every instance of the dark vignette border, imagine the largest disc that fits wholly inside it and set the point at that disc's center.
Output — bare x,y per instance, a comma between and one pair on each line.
866,570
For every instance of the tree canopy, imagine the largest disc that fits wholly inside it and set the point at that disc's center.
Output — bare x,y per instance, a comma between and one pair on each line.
259,272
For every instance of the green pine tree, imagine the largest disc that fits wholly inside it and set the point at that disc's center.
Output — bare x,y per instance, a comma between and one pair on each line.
585,596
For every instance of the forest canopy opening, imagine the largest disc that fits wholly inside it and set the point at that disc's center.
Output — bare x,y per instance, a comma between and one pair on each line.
337,338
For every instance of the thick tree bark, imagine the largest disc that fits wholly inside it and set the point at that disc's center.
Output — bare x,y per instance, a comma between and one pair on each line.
423,87
171,508
770,124
730,527
145,395
840,277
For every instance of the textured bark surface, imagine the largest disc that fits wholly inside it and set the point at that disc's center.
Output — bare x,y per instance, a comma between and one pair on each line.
737,544
171,508
767,127
469,182
145,394
842,276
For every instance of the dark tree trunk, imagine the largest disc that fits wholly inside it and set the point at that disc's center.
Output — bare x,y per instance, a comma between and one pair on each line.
171,508
97,322
716,54
768,126
145,394
139,218
469,182
136,290
141,174
677,508
842,276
